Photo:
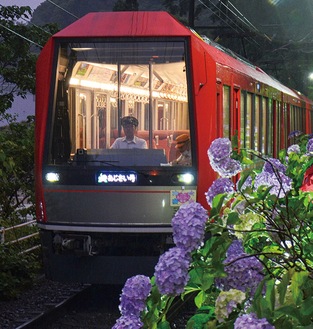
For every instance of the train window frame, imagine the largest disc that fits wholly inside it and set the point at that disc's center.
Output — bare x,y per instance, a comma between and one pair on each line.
183,42
226,111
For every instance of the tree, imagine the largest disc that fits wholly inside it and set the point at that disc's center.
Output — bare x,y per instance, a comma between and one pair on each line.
19,47
16,173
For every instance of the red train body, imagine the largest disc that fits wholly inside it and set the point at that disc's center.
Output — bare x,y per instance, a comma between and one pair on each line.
105,214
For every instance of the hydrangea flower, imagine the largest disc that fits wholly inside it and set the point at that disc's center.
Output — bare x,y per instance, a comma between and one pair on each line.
243,272
247,183
246,223
252,322
309,146
227,302
220,149
295,148
295,133
171,272
273,165
227,167
219,186
134,294
128,322
189,226
279,182
235,248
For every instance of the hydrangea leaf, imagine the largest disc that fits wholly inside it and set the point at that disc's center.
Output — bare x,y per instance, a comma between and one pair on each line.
232,218
200,298
164,325
297,281
198,321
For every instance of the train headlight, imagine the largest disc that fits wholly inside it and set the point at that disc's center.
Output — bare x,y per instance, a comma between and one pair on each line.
52,177
185,178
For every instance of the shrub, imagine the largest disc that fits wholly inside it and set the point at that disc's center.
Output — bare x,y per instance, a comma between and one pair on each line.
256,269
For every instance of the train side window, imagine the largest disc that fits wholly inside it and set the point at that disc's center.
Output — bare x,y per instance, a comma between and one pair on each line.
248,123
301,119
243,119
286,125
291,118
277,124
226,112
263,126
270,127
256,135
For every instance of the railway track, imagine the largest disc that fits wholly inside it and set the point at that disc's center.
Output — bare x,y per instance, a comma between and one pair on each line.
52,305
88,307
52,310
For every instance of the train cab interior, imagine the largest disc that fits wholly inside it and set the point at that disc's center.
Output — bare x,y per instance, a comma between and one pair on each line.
98,84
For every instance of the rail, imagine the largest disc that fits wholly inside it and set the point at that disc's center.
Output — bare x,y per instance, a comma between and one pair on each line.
4,230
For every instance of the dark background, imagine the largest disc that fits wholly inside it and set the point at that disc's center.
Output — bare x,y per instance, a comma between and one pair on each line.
276,35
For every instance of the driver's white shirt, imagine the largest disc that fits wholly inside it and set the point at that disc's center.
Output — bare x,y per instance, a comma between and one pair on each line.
135,143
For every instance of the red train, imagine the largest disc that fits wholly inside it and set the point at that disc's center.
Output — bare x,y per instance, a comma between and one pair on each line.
105,213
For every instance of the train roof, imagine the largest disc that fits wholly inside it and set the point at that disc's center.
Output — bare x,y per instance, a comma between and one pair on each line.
158,24
125,23
226,57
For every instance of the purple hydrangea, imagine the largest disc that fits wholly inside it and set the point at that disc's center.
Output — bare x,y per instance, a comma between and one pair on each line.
247,183
171,272
309,146
273,165
220,149
295,133
227,167
244,272
134,294
128,322
235,248
219,186
279,182
295,148
252,322
189,226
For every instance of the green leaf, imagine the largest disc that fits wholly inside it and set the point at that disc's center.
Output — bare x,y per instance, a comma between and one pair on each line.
275,249
198,321
289,311
200,298
201,277
297,282
232,218
282,287
307,306
163,325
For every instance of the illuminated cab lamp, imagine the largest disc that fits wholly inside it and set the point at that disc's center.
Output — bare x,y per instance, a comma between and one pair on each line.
185,178
52,177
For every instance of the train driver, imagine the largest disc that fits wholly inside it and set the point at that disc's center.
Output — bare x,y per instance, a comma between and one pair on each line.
129,141
183,145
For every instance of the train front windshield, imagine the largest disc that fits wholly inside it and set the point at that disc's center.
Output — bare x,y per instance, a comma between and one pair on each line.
98,83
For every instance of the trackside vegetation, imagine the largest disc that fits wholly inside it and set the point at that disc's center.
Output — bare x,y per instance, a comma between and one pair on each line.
255,269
